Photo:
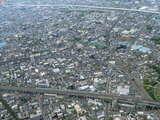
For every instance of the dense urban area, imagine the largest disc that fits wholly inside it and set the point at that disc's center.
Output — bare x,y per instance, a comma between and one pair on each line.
65,62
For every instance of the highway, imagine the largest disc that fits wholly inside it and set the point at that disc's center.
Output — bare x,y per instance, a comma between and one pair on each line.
87,7
107,97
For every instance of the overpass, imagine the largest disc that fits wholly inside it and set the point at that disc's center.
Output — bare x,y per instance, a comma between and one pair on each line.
84,94
83,7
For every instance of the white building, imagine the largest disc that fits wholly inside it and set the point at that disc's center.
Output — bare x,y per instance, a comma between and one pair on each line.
123,90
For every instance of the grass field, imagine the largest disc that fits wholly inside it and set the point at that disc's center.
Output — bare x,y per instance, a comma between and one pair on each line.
157,92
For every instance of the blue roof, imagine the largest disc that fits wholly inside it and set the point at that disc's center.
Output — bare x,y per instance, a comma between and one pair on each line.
98,44
2,44
141,48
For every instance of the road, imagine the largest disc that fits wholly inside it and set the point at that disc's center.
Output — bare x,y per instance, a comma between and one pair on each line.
107,97
88,7
9,109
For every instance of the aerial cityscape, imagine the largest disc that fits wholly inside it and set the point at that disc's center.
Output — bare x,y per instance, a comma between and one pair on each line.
79,59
